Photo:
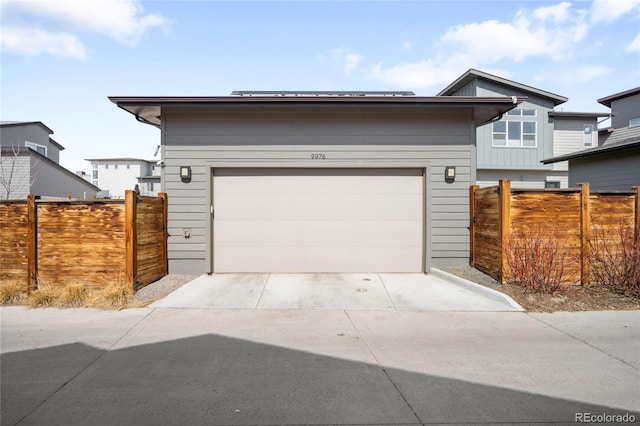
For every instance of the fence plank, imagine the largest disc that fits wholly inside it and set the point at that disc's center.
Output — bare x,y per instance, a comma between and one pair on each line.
585,232
130,237
32,243
472,220
505,225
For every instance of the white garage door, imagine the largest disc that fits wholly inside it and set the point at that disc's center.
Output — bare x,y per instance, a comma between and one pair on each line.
318,220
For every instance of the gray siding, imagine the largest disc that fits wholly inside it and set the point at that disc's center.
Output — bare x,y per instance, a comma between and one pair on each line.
625,109
17,175
568,137
619,171
53,181
17,135
349,137
490,157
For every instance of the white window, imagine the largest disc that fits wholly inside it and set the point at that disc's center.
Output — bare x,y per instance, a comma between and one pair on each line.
523,112
41,149
634,122
514,134
588,134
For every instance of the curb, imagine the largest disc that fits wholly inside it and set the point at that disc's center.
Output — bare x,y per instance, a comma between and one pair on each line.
477,288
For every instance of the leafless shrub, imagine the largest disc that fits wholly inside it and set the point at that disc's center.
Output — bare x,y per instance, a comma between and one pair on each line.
538,261
614,258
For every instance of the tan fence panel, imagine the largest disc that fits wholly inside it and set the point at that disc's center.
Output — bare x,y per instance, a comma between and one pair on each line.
80,243
151,228
486,231
14,243
550,215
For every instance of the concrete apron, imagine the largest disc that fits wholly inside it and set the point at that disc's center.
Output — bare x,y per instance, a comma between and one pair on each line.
437,291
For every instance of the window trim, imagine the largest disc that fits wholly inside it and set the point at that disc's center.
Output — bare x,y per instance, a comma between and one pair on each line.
35,147
522,134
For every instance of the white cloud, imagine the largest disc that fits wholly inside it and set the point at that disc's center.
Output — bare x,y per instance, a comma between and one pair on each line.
549,31
351,61
347,60
634,46
611,10
34,42
121,20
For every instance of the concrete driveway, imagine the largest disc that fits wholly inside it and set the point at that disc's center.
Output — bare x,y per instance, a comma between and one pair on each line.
437,291
323,367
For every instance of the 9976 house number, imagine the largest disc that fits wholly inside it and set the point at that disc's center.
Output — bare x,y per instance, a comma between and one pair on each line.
318,156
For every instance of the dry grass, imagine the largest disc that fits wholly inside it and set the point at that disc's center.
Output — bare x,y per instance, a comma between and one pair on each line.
12,293
44,296
73,295
116,295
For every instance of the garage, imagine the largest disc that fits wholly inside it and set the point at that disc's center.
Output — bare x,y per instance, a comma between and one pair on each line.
318,220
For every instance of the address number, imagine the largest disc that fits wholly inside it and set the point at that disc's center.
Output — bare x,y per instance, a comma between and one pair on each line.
318,156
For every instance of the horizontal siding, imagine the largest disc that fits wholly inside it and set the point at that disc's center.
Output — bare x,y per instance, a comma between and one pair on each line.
195,138
523,179
51,181
568,137
624,110
619,171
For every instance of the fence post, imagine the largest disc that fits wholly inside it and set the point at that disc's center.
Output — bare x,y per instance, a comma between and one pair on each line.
165,231
32,243
472,221
637,216
504,212
130,231
585,232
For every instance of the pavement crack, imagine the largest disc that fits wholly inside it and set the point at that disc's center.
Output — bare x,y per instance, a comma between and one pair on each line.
583,341
383,368
82,370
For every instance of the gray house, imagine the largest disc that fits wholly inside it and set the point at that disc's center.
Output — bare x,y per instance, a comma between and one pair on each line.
615,162
514,146
317,181
29,164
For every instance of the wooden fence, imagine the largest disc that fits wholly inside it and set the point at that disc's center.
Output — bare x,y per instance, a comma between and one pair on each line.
90,242
568,216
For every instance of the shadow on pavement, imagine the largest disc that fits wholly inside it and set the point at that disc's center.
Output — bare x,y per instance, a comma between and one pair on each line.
214,380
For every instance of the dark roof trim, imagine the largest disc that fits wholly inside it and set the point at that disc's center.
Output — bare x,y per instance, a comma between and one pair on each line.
319,93
121,159
28,151
56,144
148,108
594,115
473,74
25,123
630,143
606,101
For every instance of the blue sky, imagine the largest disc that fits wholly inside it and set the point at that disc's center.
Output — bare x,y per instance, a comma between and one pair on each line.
60,59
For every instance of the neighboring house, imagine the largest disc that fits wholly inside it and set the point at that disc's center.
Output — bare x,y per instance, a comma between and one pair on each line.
317,181
514,146
615,163
29,164
117,175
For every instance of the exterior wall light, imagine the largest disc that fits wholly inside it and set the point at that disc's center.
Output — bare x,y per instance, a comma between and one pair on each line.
185,174
450,174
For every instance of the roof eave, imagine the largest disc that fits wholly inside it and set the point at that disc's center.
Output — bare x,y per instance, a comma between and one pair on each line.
148,109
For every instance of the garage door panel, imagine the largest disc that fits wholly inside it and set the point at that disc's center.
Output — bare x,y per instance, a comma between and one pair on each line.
318,206
318,185
347,233
318,220
317,259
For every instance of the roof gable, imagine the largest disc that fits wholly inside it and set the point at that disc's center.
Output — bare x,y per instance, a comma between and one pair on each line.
473,74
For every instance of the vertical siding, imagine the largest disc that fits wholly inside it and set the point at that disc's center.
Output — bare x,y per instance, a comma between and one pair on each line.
624,110
515,158
613,171
257,138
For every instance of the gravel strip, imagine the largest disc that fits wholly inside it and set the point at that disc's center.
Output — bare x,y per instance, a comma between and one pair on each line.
159,289
472,274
